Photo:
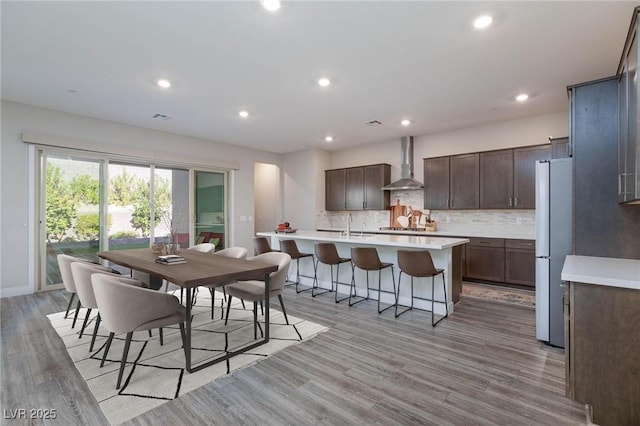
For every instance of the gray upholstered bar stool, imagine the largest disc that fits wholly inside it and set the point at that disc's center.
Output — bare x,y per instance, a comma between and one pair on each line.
326,253
366,258
291,248
418,263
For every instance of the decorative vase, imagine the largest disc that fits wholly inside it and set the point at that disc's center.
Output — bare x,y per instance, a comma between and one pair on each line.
173,248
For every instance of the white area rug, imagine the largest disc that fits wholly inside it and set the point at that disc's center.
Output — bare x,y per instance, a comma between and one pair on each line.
155,374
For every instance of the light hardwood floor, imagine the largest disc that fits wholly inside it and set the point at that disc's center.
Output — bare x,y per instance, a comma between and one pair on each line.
481,366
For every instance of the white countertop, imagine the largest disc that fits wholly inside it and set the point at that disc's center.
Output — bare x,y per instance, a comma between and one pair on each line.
624,273
411,241
457,230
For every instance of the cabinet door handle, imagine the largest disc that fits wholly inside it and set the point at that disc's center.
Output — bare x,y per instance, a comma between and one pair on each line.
515,201
621,183
510,201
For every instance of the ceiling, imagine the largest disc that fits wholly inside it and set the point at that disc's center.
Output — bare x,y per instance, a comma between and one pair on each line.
387,61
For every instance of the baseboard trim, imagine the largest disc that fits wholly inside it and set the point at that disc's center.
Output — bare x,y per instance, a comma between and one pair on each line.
15,291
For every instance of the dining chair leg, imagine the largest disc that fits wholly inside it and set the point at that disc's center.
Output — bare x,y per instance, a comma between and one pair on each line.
183,336
95,332
73,295
283,310
261,309
255,320
84,323
226,318
161,336
125,352
106,348
75,317
150,333
213,299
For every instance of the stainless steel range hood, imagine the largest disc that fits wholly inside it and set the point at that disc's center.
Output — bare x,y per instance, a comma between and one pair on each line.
406,180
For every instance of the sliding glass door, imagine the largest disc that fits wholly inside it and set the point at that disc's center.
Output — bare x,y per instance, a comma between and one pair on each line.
70,216
92,204
210,210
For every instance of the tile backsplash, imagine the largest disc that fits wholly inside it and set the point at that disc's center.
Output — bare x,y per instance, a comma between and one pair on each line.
518,220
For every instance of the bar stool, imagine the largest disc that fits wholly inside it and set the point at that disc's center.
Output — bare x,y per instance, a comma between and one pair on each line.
291,248
366,258
261,245
418,263
327,254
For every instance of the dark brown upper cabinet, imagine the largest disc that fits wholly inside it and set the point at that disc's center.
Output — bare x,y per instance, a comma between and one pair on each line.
357,188
436,183
496,179
335,195
464,181
501,179
524,174
508,177
375,177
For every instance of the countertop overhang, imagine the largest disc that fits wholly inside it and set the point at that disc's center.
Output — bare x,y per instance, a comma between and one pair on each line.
392,240
459,231
623,273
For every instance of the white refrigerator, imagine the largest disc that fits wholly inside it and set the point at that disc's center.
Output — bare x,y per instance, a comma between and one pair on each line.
554,229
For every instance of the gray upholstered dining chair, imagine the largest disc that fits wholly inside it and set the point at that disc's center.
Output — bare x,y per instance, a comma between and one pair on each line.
235,252
202,248
127,308
253,291
64,263
82,272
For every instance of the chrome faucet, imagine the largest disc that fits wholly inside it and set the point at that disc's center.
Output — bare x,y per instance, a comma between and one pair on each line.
349,220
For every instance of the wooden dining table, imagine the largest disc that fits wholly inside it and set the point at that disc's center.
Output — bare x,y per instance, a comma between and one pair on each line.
199,269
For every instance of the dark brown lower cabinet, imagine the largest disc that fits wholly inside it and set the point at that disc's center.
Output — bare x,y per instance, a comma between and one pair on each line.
485,259
602,351
500,260
520,262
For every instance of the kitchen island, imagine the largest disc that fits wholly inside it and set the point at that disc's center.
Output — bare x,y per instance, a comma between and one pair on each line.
445,252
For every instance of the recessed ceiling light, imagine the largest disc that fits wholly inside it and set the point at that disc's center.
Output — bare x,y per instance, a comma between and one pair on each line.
270,5
324,82
482,22
328,139
405,122
522,97
165,84
243,114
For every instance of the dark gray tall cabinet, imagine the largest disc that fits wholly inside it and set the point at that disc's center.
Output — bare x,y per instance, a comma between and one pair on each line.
602,227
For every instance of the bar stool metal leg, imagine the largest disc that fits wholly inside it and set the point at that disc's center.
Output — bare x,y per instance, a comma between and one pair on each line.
315,280
398,297
380,288
298,278
352,289
446,304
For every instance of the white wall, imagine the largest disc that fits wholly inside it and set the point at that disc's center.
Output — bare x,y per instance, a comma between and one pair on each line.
303,181
507,134
16,192
267,202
